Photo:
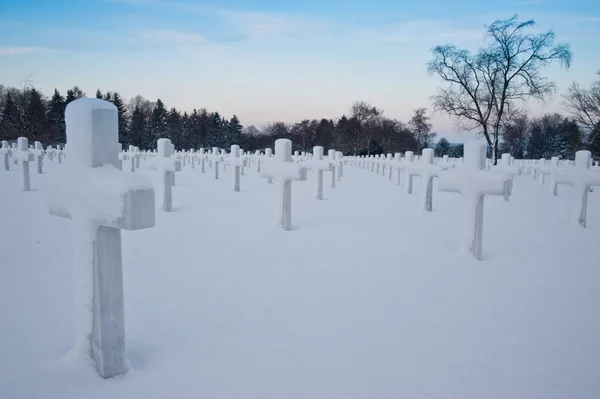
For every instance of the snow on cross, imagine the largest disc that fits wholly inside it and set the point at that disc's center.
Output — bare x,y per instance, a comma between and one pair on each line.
427,171
24,156
236,162
581,178
6,152
473,183
335,165
166,168
39,156
318,166
101,201
283,171
216,159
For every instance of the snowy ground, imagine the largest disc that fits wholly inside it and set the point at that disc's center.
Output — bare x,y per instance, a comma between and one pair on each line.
367,298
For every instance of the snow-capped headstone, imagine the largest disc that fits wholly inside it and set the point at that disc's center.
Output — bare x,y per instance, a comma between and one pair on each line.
216,159
283,171
268,156
5,152
236,162
334,166
39,156
318,166
504,167
24,156
257,160
427,171
581,178
166,168
473,183
339,156
101,201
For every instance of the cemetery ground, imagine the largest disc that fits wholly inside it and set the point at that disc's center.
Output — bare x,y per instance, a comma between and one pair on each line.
366,297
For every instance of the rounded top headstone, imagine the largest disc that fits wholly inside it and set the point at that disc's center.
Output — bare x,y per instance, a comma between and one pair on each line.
23,144
427,156
582,159
283,149
235,150
163,147
318,152
474,155
397,156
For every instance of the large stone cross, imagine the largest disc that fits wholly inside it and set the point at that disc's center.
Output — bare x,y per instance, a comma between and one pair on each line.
581,178
283,171
473,183
101,201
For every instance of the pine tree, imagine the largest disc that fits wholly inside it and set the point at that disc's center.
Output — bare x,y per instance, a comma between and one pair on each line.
138,129
157,122
234,131
11,124
35,117
117,100
74,94
56,119
174,128
99,95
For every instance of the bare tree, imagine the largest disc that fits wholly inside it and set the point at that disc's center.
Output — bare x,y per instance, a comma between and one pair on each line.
483,88
584,105
365,117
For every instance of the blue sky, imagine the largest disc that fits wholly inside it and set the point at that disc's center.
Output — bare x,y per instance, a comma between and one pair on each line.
271,60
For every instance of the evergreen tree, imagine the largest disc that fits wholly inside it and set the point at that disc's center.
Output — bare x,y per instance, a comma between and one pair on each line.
99,95
74,94
234,131
174,128
10,126
571,139
442,148
56,119
138,129
117,100
158,128
35,127
108,96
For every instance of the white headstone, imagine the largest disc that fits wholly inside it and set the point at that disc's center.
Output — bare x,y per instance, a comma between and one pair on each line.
283,171
101,201
334,166
216,159
427,171
166,168
39,156
473,183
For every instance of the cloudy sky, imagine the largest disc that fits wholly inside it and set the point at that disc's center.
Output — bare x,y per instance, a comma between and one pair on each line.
268,60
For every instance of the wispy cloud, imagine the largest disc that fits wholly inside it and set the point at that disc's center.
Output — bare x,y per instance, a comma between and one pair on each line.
171,38
19,50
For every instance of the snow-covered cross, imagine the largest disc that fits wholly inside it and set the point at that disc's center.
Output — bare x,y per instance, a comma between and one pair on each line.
6,152
24,156
473,183
427,171
318,166
166,168
339,156
236,162
334,166
283,171
581,178
505,168
257,160
216,158
268,157
101,201
39,155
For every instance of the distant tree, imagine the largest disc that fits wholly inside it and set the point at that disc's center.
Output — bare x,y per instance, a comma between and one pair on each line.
138,129
55,118
484,88
174,128
99,95
421,128
74,94
10,125
515,134
34,120
442,147
234,131
584,104
158,127
457,151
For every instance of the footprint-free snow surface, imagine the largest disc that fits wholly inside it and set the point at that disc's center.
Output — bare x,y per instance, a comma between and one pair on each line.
365,298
